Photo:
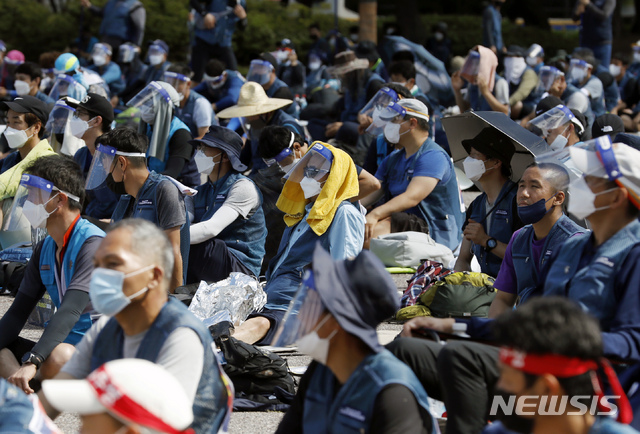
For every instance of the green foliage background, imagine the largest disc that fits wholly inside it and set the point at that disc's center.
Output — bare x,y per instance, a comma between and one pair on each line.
33,29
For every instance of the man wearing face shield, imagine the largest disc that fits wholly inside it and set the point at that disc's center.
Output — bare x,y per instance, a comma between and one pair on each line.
194,109
108,70
598,270
315,200
580,75
523,82
333,319
258,110
50,196
487,91
92,118
419,187
26,120
264,71
220,86
541,198
228,231
61,128
491,218
121,162
157,55
169,150
560,127
129,286
535,57
132,67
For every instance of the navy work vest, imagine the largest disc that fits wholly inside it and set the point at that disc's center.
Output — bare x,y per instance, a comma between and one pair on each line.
244,237
185,114
501,225
593,285
82,231
222,33
522,254
146,207
209,405
350,410
594,30
115,19
441,209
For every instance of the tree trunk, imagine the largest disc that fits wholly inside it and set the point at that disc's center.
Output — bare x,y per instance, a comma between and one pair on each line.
368,10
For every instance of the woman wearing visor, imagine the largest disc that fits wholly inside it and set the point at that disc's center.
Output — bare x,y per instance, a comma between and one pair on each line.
228,229
315,200
353,384
169,152
487,91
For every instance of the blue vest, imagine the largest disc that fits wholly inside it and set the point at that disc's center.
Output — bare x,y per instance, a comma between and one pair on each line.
185,114
285,280
222,33
354,103
350,410
476,100
189,174
209,405
244,238
593,30
115,18
81,233
501,225
146,207
441,209
593,285
522,254
102,201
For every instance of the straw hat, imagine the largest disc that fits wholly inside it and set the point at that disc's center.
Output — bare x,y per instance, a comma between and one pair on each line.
346,62
253,101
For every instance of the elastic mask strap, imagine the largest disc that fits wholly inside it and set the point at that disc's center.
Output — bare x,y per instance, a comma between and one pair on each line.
142,270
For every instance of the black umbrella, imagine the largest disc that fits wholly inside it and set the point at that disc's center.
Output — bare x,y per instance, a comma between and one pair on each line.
468,125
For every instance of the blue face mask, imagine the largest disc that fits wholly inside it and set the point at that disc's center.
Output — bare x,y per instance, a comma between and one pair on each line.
105,290
534,213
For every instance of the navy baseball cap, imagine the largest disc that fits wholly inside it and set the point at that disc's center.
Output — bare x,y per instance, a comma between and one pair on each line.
359,293
226,140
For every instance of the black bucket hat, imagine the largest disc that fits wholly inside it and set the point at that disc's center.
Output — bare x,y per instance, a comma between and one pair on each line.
226,140
492,143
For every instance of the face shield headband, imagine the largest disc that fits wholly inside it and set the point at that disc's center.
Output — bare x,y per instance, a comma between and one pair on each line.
282,155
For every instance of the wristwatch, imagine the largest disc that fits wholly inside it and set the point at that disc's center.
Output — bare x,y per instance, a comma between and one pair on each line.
33,358
491,244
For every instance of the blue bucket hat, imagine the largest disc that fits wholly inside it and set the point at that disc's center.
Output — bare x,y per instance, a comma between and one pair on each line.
358,292
226,140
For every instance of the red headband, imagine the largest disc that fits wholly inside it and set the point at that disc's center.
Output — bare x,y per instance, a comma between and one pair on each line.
565,367
116,401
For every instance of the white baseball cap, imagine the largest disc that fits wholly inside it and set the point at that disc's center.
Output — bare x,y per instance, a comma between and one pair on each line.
131,390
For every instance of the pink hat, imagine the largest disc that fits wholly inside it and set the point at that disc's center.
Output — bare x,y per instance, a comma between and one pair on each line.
14,57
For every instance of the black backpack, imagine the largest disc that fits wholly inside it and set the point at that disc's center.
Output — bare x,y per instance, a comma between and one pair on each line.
253,371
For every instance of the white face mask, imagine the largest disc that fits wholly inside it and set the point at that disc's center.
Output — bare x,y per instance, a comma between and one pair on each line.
315,65
99,60
514,68
203,163
22,87
559,142
581,199
16,138
288,167
392,132
78,127
310,187
156,59
532,61
37,214
147,114
614,70
439,36
473,168
314,346
578,75
636,57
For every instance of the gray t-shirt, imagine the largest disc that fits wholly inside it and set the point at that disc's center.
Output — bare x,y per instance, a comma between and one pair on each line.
169,207
243,197
182,355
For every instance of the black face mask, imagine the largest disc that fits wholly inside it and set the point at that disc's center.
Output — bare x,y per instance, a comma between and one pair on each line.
116,187
513,422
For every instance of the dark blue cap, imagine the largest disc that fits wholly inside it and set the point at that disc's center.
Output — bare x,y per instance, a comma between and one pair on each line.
226,140
358,292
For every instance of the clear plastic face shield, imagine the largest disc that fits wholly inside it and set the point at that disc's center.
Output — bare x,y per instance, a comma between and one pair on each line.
315,164
534,51
552,119
127,52
156,54
282,155
59,118
67,86
178,81
471,66
99,54
548,76
375,106
260,71
33,192
578,70
215,83
145,101
102,165
305,311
